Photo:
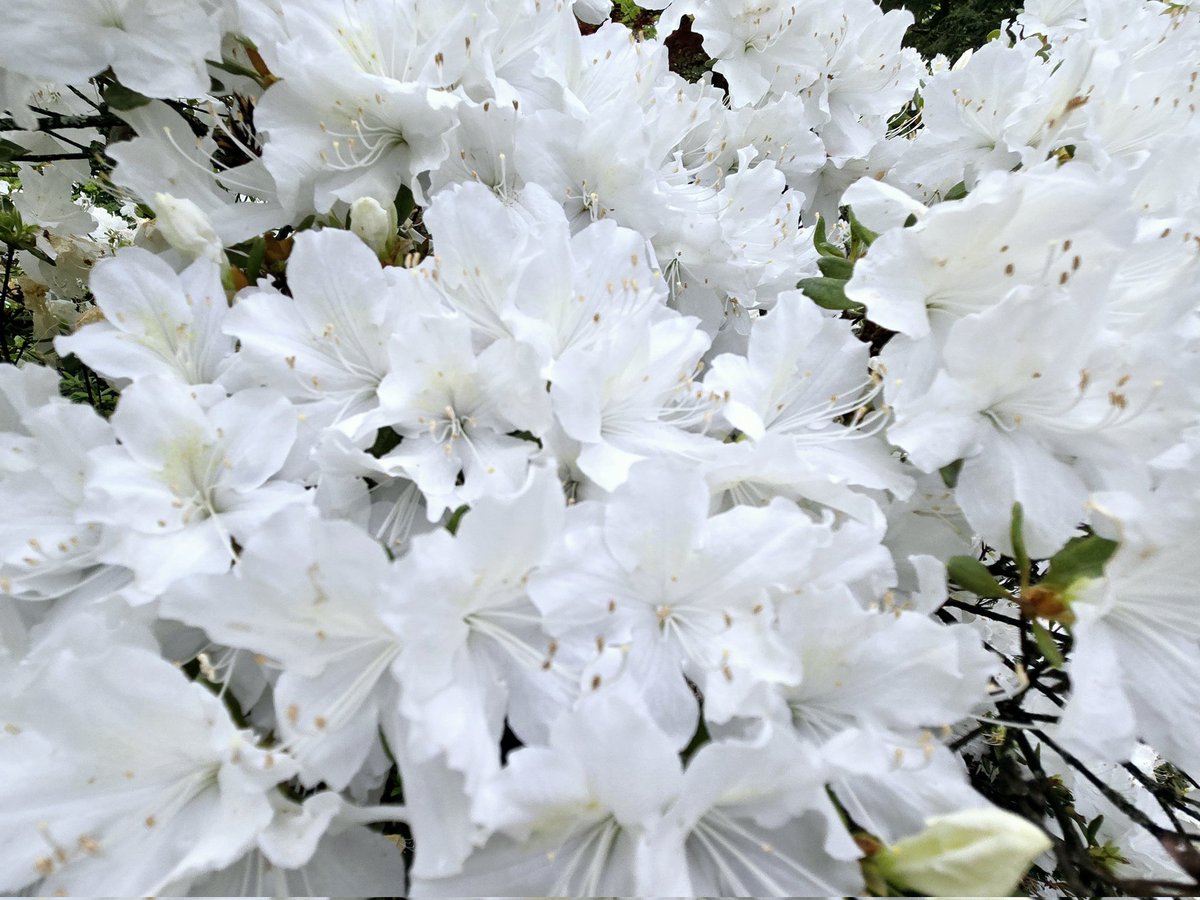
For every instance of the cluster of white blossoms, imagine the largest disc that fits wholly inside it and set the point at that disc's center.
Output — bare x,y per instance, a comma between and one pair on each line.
530,452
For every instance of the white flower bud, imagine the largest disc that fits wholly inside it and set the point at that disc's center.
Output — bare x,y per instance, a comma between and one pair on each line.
961,62
374,224
594,12
980,852
186,228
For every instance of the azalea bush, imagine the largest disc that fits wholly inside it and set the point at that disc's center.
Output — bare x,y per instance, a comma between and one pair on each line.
516,447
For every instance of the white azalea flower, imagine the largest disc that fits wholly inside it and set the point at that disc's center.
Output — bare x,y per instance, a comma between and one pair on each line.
140,786
308,595
325,346
456,407
752,819
187,482
318,847
156,322
167,157
630,394
679,592
156,48
569,816
475,650
47,551
1136,651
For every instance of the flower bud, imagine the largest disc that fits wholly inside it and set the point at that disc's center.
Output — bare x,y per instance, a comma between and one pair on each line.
593,12
980,852
186,228
375,225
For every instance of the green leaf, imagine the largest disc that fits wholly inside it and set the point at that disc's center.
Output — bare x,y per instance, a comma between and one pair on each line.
821,241
969,573
405,204
836,267
819,234
254,259
386,440
10,151
456,518
1047,645
957,192
235,68
950,472
1082,557
1017,534
1093,828
860,232
828,293
119,97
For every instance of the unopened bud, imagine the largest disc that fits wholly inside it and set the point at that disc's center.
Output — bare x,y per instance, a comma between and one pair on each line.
186,228
374,224
974,853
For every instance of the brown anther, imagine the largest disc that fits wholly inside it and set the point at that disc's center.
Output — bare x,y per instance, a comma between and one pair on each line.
320,722
595,682
1045,603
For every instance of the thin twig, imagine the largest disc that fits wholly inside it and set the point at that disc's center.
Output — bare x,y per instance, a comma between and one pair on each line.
56,121
1179,847
1155,790
85,98
983,612
1074,847
8,261
49,157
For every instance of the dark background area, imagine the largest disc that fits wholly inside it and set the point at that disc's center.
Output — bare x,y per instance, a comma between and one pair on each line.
951,27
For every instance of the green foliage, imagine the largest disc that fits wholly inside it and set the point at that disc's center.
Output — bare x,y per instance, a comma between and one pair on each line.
951,27
1081,558
969,573
117,96
637,19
